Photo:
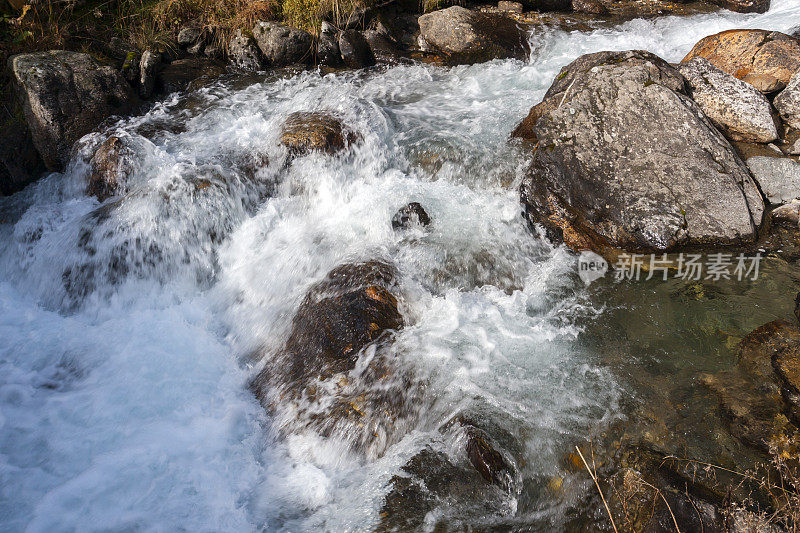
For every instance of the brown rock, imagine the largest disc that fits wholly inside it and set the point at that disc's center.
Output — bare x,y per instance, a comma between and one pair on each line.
109,168
304,132
765,59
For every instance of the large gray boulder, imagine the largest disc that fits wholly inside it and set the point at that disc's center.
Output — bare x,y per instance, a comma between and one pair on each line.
66,95
467,36
734,106
626,160
788,102
283,45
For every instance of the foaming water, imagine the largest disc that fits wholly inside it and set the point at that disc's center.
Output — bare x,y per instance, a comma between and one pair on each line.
128,328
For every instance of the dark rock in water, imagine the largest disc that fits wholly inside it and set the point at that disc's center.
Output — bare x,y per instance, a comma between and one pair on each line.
65,96
489,463
328,46
304,132
602,178
351,308
382,46
745,6
148,67
471,37
244,53
283,45
765,59
109,168
183,73
355,50
411,215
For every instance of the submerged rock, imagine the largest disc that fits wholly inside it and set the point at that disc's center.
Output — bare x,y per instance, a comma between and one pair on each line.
764,59
603,178
735,107
65,96
471,37
751,397
304,132
788,102
410,215
283,45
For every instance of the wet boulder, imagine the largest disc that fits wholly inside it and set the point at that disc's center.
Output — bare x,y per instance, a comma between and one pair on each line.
190,36
183,74
244,53
148,67
351,308
740,111
328,53
765,59
409,216
283,45
355,50
467,36
110,168
745,6
603,178
383,47
509,6
66,95
304,132
788,102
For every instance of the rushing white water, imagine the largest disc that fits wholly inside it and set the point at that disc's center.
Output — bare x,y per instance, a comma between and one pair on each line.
126,328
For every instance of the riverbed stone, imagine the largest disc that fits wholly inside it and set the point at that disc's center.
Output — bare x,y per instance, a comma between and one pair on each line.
603,178
765,59
734,106
471,37
788,102
283,45
779,177
304,132
66,95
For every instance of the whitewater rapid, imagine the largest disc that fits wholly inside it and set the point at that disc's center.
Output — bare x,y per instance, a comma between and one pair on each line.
128,328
